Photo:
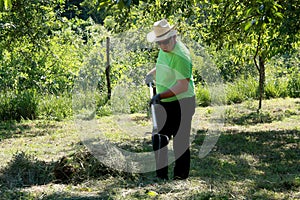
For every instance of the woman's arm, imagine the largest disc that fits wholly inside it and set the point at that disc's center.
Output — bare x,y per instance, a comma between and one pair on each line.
180,87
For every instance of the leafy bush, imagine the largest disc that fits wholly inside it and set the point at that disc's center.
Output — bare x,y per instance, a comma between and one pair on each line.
294,85
17,105
139,100
276,88
241,89
5,106
104,110
103,105
55,107
203,97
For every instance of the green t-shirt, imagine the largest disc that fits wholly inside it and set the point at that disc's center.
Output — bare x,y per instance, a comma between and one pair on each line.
173,66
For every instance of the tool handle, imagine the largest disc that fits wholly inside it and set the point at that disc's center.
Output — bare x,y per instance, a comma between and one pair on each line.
151,89
154,121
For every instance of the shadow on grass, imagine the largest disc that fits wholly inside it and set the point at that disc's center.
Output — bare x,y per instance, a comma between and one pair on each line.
9,129
12,195
251,117
25,170
269,159
13,129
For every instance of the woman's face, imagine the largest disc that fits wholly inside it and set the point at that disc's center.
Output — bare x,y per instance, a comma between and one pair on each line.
168,44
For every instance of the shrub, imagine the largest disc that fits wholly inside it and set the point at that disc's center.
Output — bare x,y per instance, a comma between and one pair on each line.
293,86
17,105
129,99
5,106
276,88
203,97
139,99
241,90
55,107
26,104
104,110
103,107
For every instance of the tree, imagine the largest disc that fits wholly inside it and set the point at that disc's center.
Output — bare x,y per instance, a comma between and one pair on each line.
24,33
262,28
35,47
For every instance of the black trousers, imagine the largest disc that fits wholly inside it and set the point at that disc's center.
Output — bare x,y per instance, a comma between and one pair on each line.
174,120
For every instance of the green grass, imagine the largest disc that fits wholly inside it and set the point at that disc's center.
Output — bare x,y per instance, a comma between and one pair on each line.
257,156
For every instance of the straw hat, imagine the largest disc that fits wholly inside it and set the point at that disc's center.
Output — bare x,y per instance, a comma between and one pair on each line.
161,31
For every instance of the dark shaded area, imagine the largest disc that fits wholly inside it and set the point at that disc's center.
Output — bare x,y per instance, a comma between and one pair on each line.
271,159
254,117
24,171
13,129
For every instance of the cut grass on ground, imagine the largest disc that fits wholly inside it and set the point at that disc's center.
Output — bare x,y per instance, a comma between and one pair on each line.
257,156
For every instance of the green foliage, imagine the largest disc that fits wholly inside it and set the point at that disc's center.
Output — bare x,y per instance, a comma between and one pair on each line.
125,99
234,63
104,110
38,48
203,97
6,4
276,88
45,44
27,104
241,89
55,107
294,85
245,21
282,76
18,105
139,100
63,61
258,27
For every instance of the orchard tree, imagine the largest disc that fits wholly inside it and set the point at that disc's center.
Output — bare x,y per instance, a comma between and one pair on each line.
261,28
36,45
25,28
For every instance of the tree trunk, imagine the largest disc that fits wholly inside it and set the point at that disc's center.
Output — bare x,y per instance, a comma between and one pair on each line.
261,81
107,70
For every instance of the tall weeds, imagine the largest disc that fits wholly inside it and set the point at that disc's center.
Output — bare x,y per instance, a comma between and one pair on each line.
17,105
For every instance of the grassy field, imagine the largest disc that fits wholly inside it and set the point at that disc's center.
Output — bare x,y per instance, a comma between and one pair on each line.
257,156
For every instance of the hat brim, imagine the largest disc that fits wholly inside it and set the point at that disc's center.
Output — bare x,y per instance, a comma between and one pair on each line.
151,37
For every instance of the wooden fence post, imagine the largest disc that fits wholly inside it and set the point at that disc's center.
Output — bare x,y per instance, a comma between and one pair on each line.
107,70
